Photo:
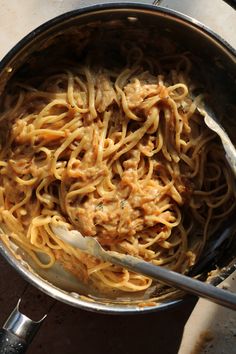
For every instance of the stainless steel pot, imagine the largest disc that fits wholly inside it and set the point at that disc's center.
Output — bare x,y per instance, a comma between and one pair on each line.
216,65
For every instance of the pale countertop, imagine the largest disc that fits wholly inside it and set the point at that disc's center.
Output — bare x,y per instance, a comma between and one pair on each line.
19,17
69,330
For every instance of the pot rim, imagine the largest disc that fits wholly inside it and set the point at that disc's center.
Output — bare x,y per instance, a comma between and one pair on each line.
109,6
32,277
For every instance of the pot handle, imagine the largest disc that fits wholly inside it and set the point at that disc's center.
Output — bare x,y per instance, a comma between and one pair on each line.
17,332
157,2
11,344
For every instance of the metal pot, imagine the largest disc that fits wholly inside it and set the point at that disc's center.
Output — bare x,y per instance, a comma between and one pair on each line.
216,65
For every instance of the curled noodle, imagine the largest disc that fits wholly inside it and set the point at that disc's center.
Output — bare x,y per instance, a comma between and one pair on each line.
122,156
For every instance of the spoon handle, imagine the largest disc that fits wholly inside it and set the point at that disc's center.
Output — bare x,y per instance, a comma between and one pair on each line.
168,277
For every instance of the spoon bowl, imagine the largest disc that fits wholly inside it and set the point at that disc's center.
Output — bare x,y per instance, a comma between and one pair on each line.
92,247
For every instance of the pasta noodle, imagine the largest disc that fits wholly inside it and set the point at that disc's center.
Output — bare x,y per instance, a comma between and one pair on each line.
118,154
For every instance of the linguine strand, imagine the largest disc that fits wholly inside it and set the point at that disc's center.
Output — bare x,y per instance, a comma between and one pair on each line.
120,156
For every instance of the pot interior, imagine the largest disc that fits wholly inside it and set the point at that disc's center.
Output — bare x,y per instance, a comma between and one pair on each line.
100,32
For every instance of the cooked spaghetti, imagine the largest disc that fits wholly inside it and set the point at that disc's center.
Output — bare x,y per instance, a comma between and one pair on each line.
121,155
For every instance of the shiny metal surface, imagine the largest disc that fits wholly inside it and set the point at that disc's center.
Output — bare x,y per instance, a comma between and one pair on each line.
211,122
73,298
193,286
56,282
21,325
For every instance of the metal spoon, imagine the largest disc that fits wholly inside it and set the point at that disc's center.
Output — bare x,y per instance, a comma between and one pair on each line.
91,246
211,122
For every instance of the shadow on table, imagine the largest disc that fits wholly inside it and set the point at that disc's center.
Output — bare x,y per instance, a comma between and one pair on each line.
68,330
